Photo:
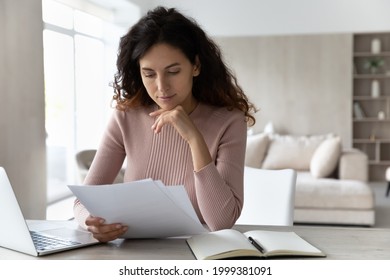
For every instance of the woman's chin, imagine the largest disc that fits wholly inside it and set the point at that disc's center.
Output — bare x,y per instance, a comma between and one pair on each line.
166,107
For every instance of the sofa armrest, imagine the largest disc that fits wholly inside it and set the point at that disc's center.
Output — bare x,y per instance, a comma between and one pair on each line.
353,165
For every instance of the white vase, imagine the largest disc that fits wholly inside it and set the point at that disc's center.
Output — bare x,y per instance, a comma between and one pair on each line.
375,45
375,89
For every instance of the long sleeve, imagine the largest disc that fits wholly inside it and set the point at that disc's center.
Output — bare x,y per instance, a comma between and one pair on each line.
219,185
216,191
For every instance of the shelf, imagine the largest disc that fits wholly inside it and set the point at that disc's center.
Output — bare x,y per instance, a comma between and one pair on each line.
371,76
370,54
384,162
370,98
372,135
371,120
369,141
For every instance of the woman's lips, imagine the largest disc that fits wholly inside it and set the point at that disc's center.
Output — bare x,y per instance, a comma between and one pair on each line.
166,98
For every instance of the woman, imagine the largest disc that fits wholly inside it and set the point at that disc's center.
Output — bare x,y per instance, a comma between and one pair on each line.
180,118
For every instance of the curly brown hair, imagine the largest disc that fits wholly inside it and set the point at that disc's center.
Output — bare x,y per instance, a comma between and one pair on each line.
215,85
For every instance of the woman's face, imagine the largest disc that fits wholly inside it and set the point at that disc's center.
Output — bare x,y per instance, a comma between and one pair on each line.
168,75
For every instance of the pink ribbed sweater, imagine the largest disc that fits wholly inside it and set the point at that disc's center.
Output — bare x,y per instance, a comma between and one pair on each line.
216,191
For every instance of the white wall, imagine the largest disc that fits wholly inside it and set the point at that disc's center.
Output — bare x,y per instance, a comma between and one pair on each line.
302,84
22,110
281,17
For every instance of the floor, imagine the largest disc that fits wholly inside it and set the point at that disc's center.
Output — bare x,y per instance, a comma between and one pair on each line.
63,210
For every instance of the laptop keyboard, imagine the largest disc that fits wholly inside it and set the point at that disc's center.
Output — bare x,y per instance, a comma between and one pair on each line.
44,242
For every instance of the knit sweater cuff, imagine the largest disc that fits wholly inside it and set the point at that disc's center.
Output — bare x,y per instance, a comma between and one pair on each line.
80,213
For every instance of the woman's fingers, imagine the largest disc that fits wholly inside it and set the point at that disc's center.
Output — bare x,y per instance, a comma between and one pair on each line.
176,117
109,233
160,119
104,232
94,221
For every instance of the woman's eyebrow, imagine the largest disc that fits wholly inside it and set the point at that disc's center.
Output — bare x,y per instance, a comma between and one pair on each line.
167,67
173,65
146,69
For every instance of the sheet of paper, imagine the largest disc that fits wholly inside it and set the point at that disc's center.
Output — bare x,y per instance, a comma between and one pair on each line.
179,196
149,210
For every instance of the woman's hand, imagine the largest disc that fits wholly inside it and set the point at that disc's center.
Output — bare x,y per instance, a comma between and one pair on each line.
104,232
176,117
180,120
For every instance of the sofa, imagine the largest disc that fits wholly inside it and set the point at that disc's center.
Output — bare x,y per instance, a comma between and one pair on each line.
331,185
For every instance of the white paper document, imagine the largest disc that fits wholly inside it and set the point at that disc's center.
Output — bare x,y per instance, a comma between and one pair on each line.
147,207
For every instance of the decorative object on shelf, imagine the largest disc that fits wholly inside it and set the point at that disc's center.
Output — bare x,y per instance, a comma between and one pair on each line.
374,64
375,89
381,115
376,45
373,135
358,111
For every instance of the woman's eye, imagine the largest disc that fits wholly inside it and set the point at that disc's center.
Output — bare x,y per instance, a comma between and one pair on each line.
149,75
173,72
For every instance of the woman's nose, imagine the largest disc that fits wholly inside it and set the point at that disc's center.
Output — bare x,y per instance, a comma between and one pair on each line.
162,84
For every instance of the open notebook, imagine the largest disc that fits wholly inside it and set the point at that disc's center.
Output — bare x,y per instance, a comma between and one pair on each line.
230,243
47,237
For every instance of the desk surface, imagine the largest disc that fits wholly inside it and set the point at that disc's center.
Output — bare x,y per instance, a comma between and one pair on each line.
350,243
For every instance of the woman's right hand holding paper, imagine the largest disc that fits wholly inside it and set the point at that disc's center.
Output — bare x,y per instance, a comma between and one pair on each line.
104,232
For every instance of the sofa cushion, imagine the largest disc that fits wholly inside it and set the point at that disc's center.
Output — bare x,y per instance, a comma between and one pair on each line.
256,147
325,158
287,151
332,193
357,217
353,165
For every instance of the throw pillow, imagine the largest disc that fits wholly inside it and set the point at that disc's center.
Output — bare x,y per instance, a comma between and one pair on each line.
256,147
325,158
288,151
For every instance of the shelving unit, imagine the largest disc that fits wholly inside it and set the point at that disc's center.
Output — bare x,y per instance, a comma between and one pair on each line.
371,101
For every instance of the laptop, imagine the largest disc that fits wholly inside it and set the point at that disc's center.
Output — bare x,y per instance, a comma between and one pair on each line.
36,238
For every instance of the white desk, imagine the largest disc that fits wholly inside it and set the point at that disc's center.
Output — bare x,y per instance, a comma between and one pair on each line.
350,243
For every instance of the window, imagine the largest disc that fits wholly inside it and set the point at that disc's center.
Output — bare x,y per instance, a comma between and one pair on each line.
79,64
